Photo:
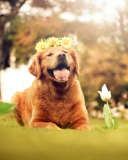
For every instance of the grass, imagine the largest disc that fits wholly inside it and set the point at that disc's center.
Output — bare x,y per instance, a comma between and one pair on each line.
22,143
4,107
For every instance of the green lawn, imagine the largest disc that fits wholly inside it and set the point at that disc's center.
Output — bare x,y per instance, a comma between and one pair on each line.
4,107
22,143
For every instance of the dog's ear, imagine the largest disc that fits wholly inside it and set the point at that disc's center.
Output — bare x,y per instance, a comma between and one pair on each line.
35,67
76,60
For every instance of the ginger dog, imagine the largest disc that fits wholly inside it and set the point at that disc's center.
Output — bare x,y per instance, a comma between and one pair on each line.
55,99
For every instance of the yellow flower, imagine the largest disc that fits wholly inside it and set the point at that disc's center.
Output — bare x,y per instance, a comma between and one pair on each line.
41,46
66,42
52,41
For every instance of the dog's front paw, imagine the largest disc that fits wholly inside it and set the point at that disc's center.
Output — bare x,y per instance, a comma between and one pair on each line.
83,127
53,126
38,124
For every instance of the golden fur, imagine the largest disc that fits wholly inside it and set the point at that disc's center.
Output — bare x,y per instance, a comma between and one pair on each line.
49,103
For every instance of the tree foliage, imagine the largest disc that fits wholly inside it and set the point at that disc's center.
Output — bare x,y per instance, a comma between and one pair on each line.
102,47
25,34
104,65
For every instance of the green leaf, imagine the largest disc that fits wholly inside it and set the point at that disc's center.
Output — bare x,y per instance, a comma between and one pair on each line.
115,121
4,107
106,112
105,127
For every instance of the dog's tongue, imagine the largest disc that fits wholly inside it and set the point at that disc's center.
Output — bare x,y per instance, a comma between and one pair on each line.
61,75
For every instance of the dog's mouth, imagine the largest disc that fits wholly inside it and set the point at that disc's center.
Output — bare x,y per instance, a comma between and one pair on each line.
60,73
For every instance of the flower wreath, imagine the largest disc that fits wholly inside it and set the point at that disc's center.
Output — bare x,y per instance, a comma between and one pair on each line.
65,42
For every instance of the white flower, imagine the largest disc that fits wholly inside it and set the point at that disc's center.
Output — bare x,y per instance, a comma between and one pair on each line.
104,93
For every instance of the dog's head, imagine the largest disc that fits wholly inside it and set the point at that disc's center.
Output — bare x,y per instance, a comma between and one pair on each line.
57,64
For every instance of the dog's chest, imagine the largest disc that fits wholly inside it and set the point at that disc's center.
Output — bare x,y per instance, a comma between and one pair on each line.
60,113
58,110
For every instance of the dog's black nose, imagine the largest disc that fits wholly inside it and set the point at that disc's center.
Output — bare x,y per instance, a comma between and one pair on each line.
61,56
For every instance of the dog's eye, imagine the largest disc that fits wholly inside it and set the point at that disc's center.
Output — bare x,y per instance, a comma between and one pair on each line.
65,51
50,54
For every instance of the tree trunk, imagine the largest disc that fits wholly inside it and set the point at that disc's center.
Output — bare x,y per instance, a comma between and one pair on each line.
15,7
123,32
1,59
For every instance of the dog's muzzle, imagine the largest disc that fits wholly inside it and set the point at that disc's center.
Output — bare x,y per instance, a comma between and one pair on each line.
62,71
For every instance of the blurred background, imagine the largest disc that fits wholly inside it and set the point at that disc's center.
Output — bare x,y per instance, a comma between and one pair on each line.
100,28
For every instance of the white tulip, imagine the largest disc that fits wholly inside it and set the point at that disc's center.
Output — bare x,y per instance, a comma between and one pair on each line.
104,93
